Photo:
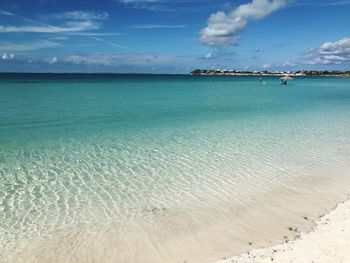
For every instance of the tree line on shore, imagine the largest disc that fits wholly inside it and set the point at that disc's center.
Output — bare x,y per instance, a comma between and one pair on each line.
269,73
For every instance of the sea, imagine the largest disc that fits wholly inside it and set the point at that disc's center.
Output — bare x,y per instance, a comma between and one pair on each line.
166,168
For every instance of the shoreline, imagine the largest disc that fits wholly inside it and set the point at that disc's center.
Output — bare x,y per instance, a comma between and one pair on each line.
299,73
45,249
327,241
270,75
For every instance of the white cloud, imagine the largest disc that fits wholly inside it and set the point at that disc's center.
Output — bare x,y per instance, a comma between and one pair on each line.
129,59
266,66
54,60
72,26
151,5
81,15
209,55
109,60
222,55
95,34
288,64
337,52
224,28
336,3
6,56
27,46
154,26
6,13
74,21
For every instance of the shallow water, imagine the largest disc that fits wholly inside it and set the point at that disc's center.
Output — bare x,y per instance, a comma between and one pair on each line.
134,168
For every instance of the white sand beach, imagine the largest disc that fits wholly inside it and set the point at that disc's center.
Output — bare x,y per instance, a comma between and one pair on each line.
329,241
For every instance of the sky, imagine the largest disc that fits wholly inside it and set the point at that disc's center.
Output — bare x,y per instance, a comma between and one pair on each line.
173,36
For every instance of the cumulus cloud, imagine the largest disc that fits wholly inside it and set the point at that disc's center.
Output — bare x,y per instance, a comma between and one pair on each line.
6,56
266,66
337,52
224,28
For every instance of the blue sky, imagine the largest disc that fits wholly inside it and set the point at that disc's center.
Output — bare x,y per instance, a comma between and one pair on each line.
173,36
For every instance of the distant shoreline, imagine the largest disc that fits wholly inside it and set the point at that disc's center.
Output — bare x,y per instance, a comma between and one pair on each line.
345,74
303,73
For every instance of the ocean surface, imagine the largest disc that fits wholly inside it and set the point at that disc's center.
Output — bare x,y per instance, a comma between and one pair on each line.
165,168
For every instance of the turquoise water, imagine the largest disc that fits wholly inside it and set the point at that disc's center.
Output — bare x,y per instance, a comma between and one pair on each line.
155,168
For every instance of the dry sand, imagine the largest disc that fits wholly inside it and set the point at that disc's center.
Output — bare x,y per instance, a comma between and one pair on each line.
329,241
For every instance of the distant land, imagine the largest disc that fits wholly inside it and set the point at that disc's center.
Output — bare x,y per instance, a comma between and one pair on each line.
309,73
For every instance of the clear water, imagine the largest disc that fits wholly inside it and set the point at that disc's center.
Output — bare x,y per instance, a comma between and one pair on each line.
137,168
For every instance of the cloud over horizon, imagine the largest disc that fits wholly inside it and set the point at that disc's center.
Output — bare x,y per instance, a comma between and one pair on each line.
130,62
223,29
328,53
